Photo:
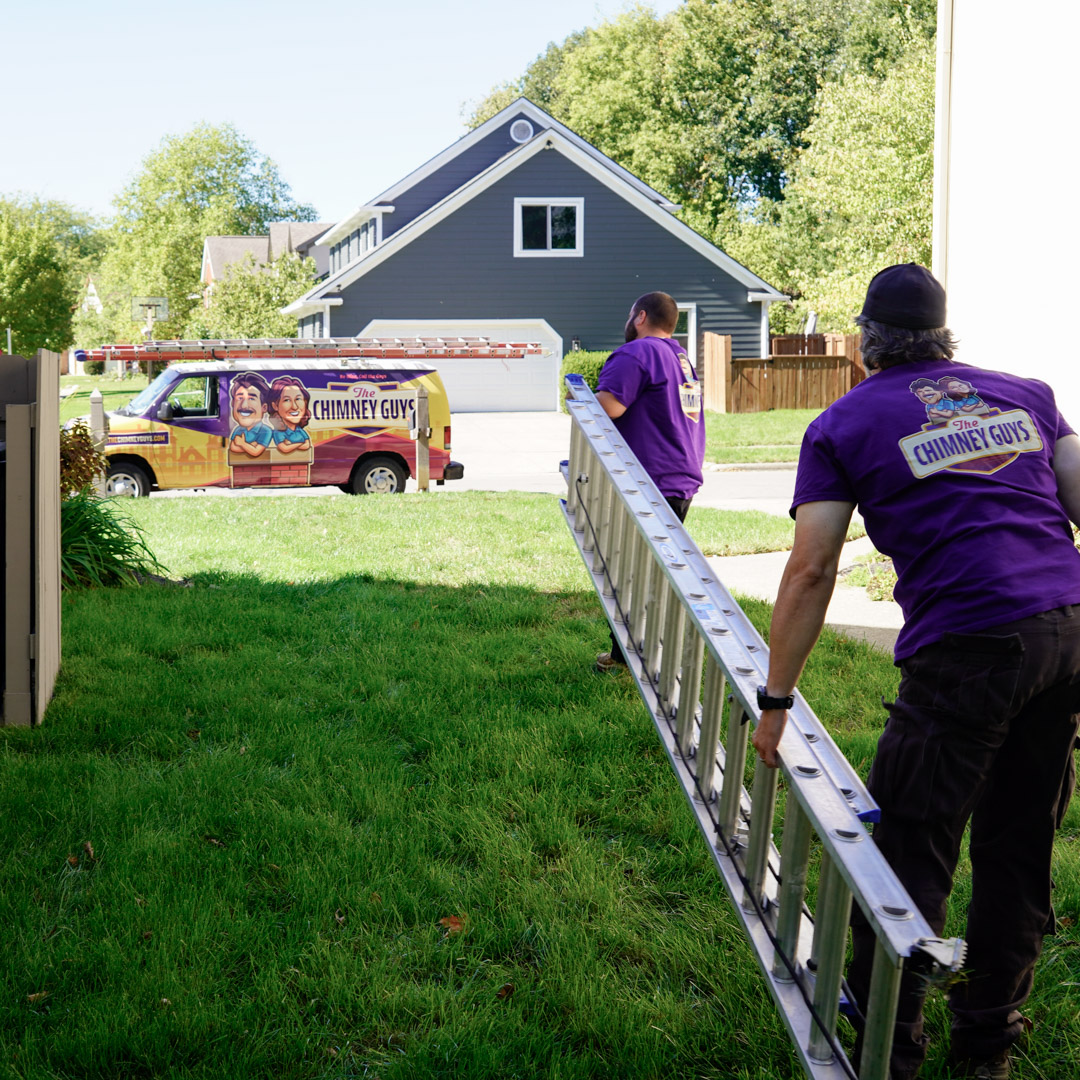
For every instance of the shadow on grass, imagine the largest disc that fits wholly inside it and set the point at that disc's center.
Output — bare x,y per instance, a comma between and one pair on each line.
359,826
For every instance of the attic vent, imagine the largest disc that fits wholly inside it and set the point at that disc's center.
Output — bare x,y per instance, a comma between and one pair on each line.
521,131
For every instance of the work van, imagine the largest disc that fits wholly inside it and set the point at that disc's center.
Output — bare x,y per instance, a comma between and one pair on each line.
246,421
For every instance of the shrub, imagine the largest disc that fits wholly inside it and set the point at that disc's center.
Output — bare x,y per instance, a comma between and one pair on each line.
80,462
586,364
100,545
94,367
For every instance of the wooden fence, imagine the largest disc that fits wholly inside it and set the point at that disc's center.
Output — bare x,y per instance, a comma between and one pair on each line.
805,371
30,406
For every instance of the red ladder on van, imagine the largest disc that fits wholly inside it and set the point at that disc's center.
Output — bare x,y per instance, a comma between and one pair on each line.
412,348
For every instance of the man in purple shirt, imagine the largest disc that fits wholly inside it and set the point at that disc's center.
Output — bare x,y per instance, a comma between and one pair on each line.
650,389
974,511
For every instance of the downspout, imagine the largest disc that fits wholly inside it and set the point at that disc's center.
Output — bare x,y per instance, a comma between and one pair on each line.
942,140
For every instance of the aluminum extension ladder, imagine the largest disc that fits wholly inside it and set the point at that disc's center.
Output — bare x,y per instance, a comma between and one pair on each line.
675,620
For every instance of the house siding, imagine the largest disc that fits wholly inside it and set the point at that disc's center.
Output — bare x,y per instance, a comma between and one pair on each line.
460,170
464,268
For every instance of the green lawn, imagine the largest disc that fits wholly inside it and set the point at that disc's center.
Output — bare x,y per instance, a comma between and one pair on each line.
352,803
737,438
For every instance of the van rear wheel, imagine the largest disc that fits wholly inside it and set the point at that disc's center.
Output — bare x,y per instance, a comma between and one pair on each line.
127,479
378,476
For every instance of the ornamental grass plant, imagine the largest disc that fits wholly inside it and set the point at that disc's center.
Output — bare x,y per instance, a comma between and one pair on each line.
100,544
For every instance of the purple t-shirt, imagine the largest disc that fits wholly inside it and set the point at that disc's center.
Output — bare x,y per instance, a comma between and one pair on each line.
663,423
961,497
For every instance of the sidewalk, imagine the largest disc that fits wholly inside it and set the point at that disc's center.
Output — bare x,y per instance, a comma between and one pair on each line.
851,611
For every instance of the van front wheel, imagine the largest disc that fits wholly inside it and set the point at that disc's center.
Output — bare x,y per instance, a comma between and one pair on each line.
127,479
378,476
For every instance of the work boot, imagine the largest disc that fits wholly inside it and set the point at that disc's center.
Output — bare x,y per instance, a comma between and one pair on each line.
606,662
999,1067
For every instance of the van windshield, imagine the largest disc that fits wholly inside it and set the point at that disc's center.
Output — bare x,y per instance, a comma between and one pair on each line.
145,398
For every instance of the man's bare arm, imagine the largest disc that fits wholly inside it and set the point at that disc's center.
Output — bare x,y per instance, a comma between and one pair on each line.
1067,471
799,614
610,404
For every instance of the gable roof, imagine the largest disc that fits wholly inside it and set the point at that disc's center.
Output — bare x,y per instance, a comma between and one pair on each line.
591,161
521,107
294,236
220,251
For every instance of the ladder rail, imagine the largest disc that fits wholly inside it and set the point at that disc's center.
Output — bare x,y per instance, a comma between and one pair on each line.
676,621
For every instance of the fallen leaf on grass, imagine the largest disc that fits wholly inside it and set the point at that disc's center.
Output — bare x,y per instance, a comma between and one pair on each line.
140,901
339,918
243,749
455,924
504,991
376,898
332,1051
213,840
147,935
73,860
41,995
89,849
193,734
272,866
1066,921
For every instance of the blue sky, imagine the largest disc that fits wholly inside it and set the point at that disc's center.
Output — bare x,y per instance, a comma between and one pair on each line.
345,97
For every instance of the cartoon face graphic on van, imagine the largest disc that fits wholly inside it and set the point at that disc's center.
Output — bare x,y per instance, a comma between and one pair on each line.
290,408
249,395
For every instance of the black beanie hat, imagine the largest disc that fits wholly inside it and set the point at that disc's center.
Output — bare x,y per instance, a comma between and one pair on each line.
907,295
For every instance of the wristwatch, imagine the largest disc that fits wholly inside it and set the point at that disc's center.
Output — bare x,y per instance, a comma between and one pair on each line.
766,702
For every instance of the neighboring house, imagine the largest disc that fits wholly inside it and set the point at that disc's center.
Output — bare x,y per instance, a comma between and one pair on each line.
523,230
302,237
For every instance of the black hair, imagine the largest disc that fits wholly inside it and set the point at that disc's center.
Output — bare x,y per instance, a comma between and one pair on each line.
886,346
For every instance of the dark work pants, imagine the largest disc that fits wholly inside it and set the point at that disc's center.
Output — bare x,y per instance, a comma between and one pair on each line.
681,508
982,728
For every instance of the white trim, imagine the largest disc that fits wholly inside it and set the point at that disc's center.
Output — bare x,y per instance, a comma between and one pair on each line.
360,215
543,122
300,309
765,327
549,252
503,167
691,331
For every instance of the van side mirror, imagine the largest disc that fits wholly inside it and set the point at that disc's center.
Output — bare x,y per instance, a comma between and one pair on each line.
165,411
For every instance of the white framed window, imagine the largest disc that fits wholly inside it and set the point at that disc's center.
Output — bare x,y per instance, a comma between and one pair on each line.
686,332
549,228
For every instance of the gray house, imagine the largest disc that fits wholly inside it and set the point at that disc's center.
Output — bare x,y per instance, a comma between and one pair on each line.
521,230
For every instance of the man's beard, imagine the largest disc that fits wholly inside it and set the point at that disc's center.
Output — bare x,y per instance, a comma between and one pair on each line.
630,331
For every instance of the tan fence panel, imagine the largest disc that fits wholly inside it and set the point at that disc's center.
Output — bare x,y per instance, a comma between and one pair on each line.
717,371
29,392
47,530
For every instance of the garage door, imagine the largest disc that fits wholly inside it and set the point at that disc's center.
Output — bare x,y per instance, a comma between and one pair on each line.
528,384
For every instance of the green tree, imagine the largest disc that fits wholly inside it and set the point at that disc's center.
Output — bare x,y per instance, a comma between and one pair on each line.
538,84
707,104
210,181
861,194
37,284
247,301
